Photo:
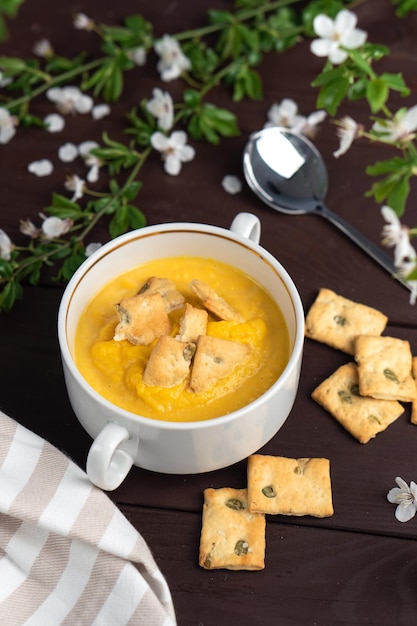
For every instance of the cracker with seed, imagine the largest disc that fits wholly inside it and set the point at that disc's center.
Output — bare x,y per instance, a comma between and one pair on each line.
384,368
169,362
336,321
214,359
414,403
214,303
280,485
231,537
142,319
363,417
193,323
173,299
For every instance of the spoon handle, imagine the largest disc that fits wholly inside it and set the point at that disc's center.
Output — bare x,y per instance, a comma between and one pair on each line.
363,242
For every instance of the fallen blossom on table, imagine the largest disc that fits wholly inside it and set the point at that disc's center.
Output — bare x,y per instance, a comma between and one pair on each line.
232,184
42,167
406,499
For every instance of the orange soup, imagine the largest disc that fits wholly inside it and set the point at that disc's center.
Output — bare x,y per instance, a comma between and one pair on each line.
115,368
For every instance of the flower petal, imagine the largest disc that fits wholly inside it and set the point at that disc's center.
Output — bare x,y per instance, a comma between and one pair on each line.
54,122
68,152
323,26
172,165
232,184
159,141
43,167
405,513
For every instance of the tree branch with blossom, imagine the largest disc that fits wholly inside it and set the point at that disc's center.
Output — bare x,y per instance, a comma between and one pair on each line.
349,75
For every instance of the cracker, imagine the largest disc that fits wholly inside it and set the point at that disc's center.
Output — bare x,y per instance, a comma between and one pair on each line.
231,536
280,485
384,368
142,319
193,323
336,321
173,299
213,302
214,359
362,417
169,362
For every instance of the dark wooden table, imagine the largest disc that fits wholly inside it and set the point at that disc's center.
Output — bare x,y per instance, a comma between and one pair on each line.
357,567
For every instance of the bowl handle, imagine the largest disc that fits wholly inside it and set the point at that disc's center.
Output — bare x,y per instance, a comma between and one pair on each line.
247,225
111,456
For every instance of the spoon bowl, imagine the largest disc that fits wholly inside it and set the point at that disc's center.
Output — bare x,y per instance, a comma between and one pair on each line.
287,172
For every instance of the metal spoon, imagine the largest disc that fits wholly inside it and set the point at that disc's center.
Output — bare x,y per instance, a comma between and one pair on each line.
288,173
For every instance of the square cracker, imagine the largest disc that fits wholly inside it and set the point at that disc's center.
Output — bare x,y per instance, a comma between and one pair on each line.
336,321
414,403
142,318
231,536
279,485
361,416
384,368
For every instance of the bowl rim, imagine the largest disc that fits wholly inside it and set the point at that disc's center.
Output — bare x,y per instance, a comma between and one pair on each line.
296,353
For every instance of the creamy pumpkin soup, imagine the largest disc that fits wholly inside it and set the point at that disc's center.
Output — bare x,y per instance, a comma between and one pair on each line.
221,346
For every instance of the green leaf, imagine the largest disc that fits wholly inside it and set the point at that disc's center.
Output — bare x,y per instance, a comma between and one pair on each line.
136,218
12,65
192,98
71,264
63,208
119,223
376,94
11,292
132,190
331,95
396,83
360,62
397,198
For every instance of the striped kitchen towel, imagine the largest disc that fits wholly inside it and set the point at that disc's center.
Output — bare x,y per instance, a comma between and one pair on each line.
67,554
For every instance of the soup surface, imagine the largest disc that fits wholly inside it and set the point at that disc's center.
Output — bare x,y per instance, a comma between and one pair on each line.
115,368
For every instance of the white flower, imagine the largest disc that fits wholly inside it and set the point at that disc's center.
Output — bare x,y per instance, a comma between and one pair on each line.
6,246
400,128
348,130
172,61
43,48
232,184
54,123
405,497
161,107
395,235
174,148
138,56
100,110
91,248
308,125
337,33
77,185
83,22
283,114
7,126
286,114
27,227
70,100
43,167
68,152
90,160
53,227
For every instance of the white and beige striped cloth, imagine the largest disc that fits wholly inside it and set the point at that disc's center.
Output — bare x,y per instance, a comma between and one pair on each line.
67,553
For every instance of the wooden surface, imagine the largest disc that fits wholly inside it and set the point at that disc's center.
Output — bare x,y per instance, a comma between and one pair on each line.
357,567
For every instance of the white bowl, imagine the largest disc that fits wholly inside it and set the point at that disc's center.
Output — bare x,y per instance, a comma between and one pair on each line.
121,438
